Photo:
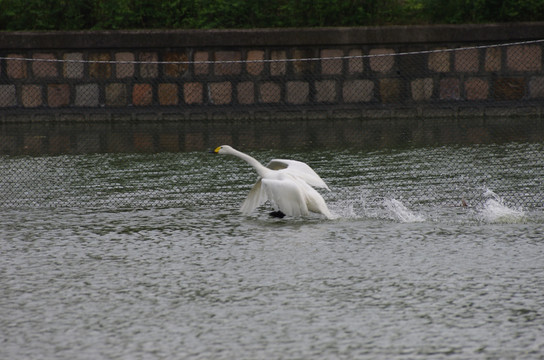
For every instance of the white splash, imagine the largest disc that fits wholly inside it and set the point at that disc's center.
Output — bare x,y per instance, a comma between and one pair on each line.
354,207
399,212
495,211
345,210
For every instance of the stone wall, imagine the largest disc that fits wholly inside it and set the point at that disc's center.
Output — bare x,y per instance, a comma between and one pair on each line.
262,73
79,92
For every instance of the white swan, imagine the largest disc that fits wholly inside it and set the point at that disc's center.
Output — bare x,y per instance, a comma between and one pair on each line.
287,184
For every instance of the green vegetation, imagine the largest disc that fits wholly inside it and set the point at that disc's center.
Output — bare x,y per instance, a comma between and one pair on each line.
217,14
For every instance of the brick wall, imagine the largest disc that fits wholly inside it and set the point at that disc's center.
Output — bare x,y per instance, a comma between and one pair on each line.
75,92
129,72
475,75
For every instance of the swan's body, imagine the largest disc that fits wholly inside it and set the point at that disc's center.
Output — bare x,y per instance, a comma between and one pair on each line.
287,184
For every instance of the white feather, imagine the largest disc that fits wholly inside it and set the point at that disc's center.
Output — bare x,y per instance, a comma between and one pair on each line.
298,169
255,198
286,195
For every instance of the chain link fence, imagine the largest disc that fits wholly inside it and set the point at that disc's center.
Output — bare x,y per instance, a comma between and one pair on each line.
130,128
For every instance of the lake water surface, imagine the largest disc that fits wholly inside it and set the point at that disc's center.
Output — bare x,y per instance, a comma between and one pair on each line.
145,256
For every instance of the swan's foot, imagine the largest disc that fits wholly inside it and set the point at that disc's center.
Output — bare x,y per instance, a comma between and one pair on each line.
277,214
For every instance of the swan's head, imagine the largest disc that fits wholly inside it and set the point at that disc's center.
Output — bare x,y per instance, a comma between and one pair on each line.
224,149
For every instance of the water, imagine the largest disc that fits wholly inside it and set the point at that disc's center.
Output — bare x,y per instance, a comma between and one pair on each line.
406,271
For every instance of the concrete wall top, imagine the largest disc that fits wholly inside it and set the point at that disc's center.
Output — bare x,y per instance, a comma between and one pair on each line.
272,37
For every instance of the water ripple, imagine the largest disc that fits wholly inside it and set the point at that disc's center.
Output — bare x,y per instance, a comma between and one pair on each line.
392,277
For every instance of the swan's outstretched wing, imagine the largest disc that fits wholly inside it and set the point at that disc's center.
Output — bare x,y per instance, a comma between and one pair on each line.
254,199
299,170
287,195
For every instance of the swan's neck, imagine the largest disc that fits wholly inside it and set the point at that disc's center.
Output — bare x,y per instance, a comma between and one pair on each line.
261,170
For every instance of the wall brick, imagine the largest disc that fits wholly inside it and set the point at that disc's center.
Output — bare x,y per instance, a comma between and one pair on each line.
509,88
99,69
524,57
73,69
16,69
45,69
148,68
180,66
278,67
382,64
493,59
536,87
246,92
142,94
422,89
355,65
390,90
439,61
467,60
227,68
358,91
325,91
450,89
220,93
269,92
31,96
297,92
303,65
58,95
192,93
476,89
331,67
116,94
201,69
168,94
255,68
87,95
124,70
8,96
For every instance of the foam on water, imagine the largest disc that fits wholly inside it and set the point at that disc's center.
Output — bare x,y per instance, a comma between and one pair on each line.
399,212
350,204
363,207
495,210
